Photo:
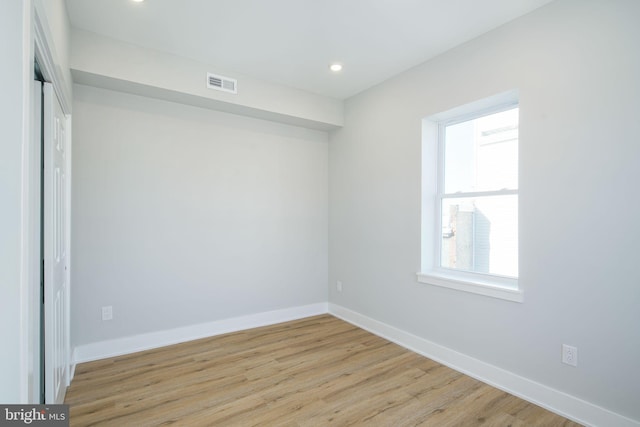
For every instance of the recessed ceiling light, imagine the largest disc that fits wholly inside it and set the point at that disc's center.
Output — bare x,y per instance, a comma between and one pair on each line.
335,67
137,1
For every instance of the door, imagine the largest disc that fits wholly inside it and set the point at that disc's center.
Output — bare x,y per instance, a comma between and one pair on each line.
55,212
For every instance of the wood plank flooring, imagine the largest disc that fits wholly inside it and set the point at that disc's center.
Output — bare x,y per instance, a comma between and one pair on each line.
311,372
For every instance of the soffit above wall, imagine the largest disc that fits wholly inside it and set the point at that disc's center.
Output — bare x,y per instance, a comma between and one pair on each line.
102,62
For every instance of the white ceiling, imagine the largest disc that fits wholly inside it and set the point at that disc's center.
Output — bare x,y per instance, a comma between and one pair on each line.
292,42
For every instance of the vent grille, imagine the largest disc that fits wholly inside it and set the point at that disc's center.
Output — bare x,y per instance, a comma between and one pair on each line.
225,84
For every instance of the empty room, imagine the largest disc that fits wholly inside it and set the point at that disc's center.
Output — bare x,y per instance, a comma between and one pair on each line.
309,213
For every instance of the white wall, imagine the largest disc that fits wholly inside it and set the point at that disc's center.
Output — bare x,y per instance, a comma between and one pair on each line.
576,65
12,103
183,215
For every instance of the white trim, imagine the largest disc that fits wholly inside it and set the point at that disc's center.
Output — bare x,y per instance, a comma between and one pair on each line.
72,366
27,382
67,237
132,344
45,55
554,400
473,194
464,112
493,286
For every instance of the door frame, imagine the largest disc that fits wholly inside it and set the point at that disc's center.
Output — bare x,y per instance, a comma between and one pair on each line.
37,45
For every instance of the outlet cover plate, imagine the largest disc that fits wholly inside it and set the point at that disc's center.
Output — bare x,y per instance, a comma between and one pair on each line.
569,355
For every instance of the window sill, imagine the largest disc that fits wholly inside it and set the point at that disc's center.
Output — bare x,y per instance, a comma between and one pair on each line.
495,287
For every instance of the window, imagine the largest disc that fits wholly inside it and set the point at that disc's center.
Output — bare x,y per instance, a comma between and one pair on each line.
475,247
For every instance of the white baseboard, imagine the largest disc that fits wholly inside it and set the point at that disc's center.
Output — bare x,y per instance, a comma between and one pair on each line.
132,344
554,400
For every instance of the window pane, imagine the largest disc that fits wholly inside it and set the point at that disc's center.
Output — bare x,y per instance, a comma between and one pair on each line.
480,234
482,154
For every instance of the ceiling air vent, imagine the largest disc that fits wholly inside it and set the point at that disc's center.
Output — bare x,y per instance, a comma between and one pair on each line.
222,83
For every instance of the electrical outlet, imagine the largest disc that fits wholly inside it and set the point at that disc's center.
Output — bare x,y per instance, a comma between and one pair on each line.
339,286
107,312
569,355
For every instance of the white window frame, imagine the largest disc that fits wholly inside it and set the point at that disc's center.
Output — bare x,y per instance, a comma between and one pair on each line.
432,273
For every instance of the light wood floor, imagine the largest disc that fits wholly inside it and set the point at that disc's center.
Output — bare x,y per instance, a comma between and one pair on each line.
312,372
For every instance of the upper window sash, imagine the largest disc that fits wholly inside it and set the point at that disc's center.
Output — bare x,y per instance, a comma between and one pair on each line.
442,126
